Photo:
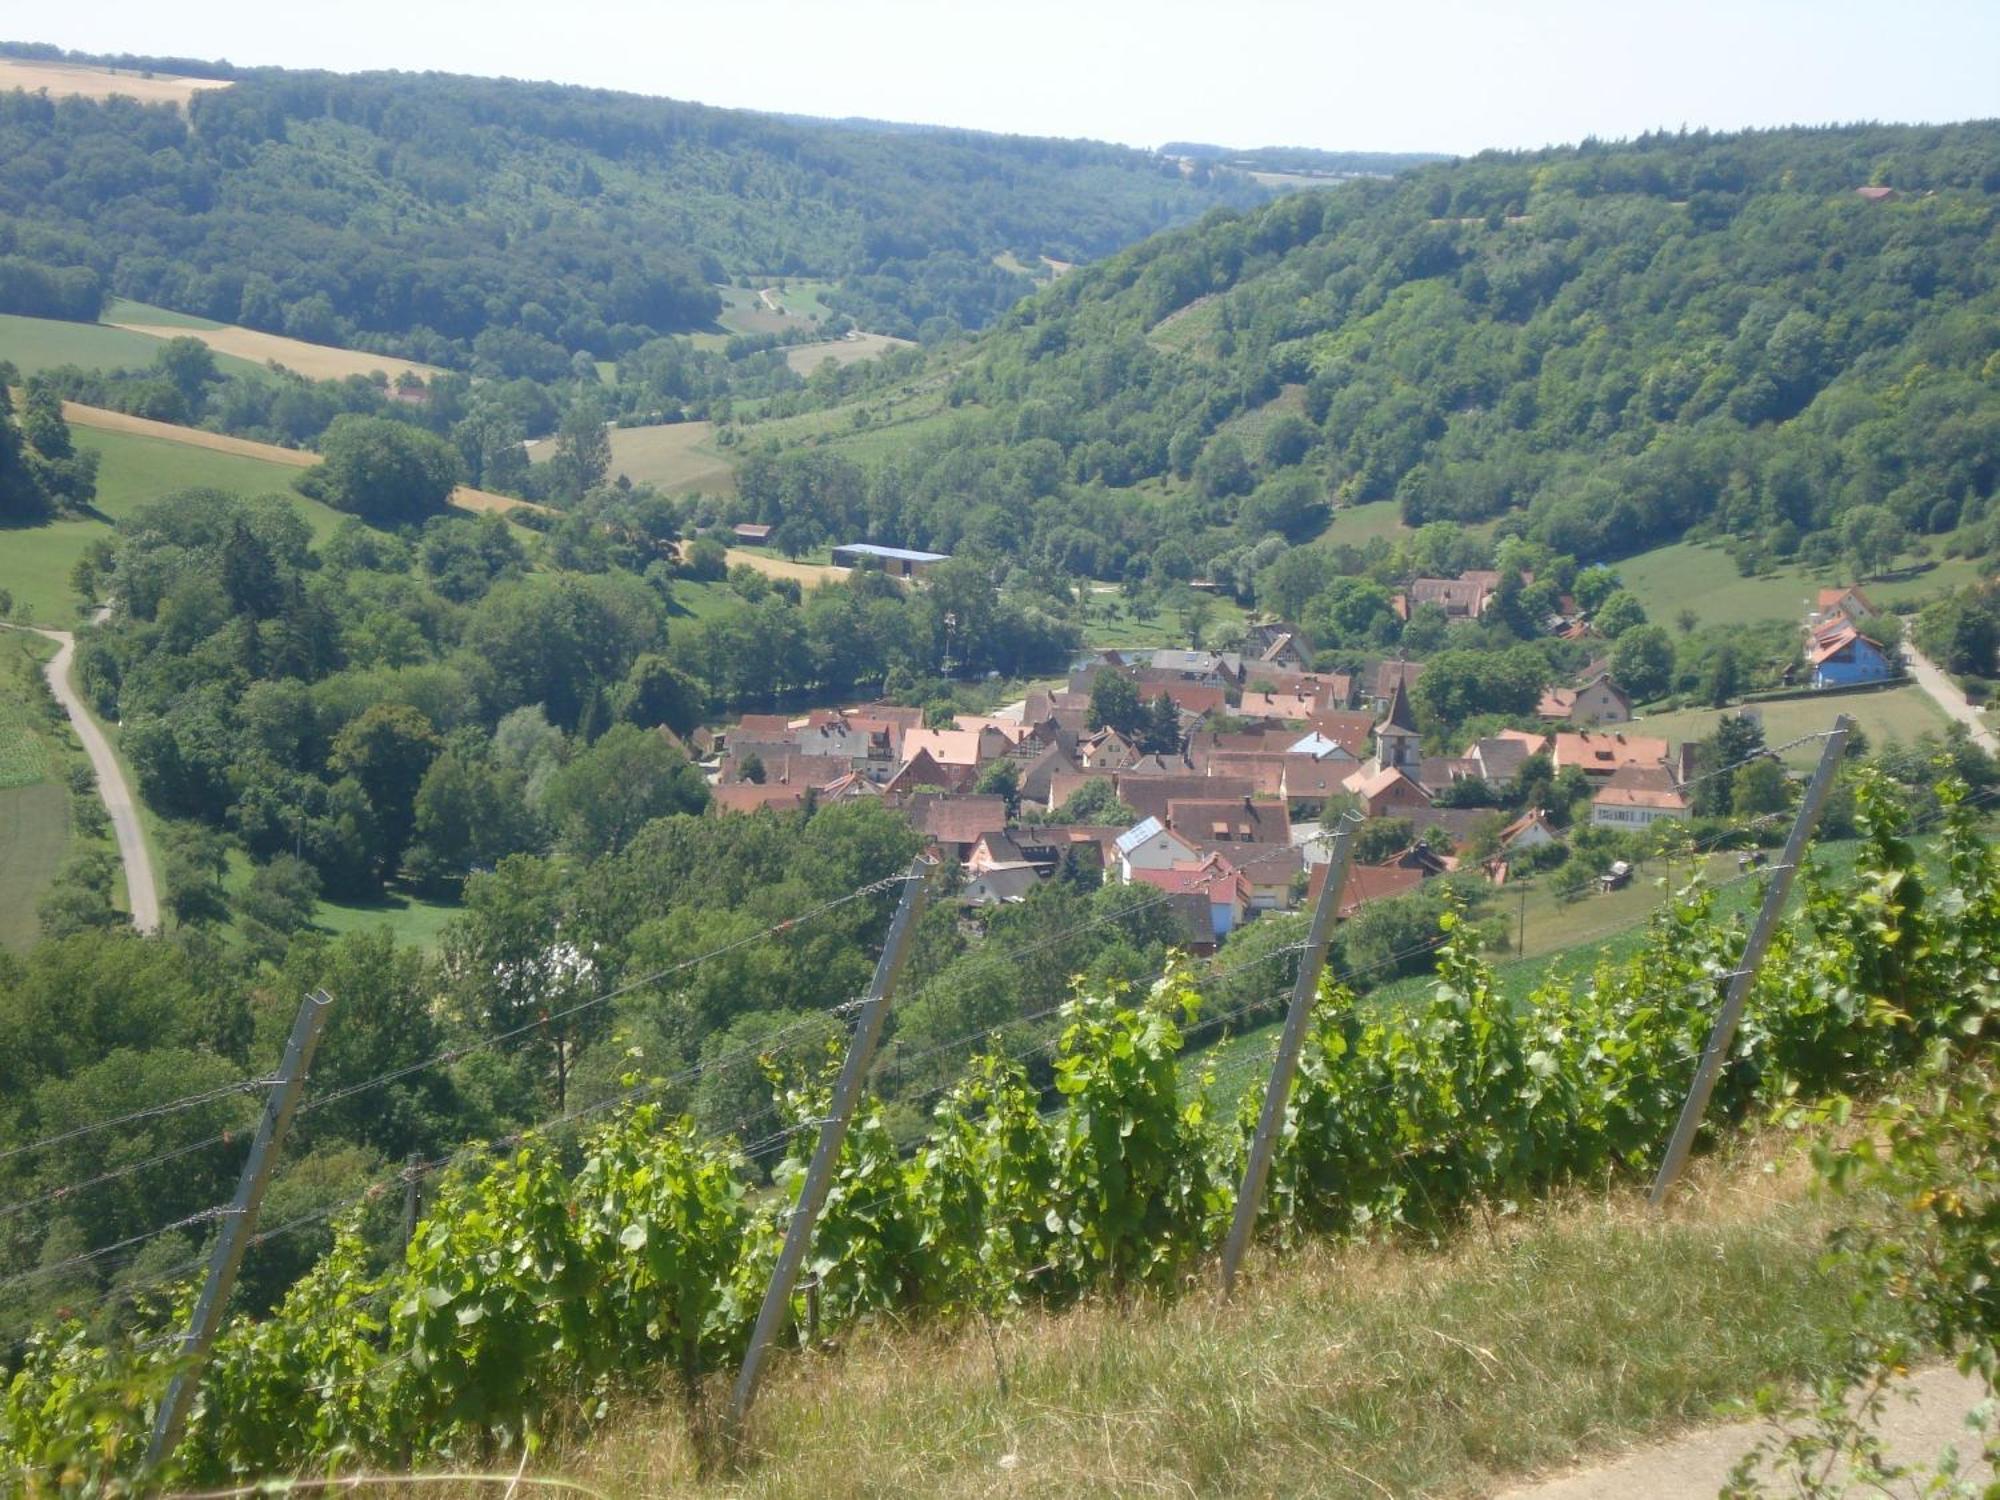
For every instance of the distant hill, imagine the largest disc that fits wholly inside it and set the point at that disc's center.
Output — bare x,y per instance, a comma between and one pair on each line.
1788,338
1303,161
448,218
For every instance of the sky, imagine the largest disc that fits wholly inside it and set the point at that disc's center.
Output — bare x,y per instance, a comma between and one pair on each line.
1421,75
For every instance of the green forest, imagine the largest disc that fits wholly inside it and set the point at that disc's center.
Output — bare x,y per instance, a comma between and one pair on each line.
507,226
1598,348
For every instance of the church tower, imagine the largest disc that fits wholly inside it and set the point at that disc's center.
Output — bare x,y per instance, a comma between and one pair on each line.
1397,744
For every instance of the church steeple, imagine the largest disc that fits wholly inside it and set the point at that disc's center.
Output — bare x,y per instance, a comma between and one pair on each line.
1397,743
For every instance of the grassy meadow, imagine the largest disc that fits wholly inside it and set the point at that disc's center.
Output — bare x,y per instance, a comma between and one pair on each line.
35,561
1702,577
1899,714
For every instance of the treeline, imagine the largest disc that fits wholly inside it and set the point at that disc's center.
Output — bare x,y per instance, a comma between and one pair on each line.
1605,347
532,221
41,471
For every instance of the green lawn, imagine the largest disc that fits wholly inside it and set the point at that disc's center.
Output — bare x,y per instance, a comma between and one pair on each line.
1901,714
133,471
34,802
1109,622
1702,577
415,922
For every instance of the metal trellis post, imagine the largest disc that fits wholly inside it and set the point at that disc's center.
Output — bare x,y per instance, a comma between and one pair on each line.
1250,1197
1723,1034
819,1176
239,1224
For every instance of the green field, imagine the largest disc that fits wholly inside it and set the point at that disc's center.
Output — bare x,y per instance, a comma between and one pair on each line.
1108,621
1901,713
34,803
414,921
1352,525
125,310
1703,578
36,344
133,471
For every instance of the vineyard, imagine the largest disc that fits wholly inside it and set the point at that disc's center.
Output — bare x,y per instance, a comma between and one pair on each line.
594,1260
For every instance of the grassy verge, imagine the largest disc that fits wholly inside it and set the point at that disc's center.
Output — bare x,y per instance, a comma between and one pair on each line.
1528,1342
35,830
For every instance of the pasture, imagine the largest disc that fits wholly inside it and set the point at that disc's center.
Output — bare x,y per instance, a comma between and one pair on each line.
36,344
1899,714
34,803
125,310
135,468
63,80
777,565
1702,577
677,458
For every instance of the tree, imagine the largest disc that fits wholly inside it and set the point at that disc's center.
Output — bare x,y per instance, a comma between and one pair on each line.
1618,614
583,451
189,366
1095,802
1736,740
388,750
1161,732
1760,787
610,791
1642,661
1115,705
657,692
388,473
1873,538
1724,679
1002,778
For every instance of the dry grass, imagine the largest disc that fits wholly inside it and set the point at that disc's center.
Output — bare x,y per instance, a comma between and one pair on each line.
1525,1343
314,361
677,457
803,359
771,565
83,81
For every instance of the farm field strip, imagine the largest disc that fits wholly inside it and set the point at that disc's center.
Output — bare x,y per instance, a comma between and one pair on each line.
85,81
315,361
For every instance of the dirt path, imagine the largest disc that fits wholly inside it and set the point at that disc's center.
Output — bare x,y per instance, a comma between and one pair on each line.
141,889
1694,1467
1931,678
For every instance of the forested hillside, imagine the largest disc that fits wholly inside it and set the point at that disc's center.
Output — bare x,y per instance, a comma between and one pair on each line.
1609,346
456,219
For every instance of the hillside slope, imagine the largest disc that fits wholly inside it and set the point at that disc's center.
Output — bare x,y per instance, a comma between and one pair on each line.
436,216
1610,346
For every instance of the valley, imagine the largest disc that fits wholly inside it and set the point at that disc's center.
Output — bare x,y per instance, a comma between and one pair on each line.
638,601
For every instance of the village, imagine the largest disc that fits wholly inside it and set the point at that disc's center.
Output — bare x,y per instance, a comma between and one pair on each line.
1214,777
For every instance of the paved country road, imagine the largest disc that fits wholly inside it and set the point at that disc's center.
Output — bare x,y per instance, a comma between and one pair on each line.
141,889
1931,678
1694,1467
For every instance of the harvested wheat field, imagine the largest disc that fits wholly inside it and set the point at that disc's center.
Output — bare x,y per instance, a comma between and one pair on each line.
314,361
464,497
84,81
773,566
677,457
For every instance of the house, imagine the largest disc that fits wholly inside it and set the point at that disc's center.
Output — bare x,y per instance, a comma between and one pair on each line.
1386,793
1598,700
955,749
1841,656
1876,194
1105,750
1848,604
1350,729
750,534
1459,598
750,796
1225,888
1636,797
1150,845
1218,669
1499,758
1317,745
1365,884
1603,755
1271,870
1312,780
1263,769
921,770
954,823
1018,846
1149,796
1531,830
1230,821
1000,883
1273,643
1279,707
1387,675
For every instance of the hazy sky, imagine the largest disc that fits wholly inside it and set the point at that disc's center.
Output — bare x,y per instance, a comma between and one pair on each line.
1450,75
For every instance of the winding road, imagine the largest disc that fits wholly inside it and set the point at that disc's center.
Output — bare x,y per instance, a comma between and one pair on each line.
1932,679
141,888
